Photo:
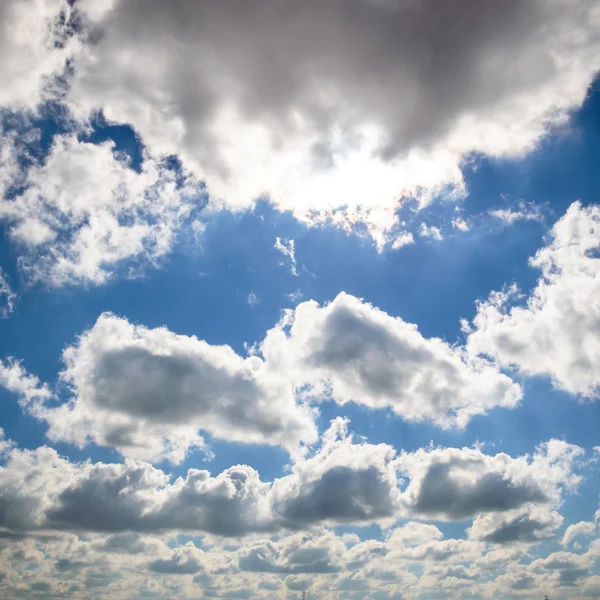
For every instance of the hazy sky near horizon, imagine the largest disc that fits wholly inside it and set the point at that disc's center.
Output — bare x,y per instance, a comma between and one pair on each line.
299,296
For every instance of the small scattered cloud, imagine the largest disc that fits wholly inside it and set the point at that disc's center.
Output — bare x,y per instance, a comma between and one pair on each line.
432,232
287,248
253,299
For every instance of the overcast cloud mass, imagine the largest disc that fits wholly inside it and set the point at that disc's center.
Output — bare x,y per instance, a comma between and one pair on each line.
299,297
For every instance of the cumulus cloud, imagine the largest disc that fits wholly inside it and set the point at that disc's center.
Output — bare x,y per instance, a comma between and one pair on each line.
15,378
430,231
555,332
457,484
344,482
332,104
35,43
529,524
363,355
147,392
84,211
581,529
524,212
138,511
320,551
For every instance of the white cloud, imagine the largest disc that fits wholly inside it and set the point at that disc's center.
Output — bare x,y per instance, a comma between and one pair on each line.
148,392
84,210
403,239
287,248
322,106
460,224
17,380
253,300
363,355
344,482
528,524
34,45
555,332
524,212
581,529
431,232
7,296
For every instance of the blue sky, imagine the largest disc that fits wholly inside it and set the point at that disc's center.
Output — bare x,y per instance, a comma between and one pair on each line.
243,354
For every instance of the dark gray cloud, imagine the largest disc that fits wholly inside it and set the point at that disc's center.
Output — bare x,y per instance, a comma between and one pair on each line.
520,529
460,499
340,494
416,70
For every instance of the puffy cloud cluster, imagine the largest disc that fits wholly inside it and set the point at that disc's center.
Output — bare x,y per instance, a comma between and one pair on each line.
334,103
147,392
130,515
334,110
363,355
35,43
343,482
84,210
555,333
457,484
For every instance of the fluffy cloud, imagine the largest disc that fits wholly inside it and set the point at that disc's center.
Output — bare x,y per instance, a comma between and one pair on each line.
366,356
529,524
148,392
85,210
344,482
121,376
329,103
15,378
35,43
555,332
457,484
581,529
316,552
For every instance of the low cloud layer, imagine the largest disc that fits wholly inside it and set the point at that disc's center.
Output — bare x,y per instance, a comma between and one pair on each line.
344,482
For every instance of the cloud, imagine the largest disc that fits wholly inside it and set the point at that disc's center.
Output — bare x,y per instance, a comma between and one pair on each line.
35,43
287,248
7,296
403,239
147,392
307,552
525,212
431,232
61,495
460,224
528,524
353,352
344,482
555,332
581,529
457,484
15,378
84,211
333,104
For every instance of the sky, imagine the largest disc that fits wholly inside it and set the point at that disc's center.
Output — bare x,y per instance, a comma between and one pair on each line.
299,297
